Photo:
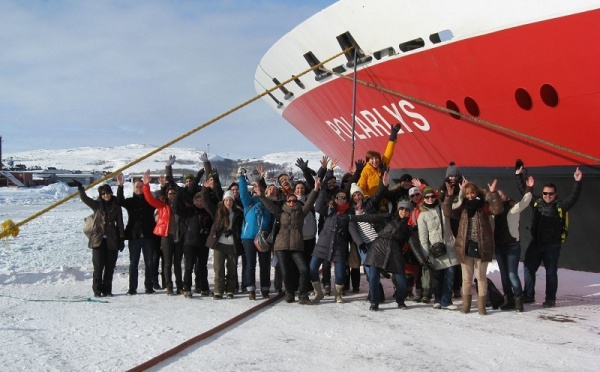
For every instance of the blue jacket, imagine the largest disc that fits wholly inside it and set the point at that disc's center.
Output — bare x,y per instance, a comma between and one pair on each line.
255,214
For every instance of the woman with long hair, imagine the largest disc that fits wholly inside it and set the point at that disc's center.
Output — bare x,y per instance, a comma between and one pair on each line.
475,239
224,239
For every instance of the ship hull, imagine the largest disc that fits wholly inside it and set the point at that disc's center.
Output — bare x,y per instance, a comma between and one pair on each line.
524,79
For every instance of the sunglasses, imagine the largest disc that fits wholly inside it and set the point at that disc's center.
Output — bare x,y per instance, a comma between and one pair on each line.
105,193
292,201
429,197
548,193
340,197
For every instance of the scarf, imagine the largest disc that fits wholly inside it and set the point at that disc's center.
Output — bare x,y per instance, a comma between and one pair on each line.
342,208
471,206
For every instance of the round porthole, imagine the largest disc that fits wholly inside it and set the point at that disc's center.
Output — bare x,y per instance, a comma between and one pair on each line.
472,107
523,99
450,105
549,95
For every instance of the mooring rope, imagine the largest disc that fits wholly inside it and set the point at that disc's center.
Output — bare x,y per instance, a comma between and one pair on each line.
466,116
203,336
9,228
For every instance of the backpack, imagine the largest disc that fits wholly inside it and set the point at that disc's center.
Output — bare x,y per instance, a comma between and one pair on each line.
88,225
564,218
495,298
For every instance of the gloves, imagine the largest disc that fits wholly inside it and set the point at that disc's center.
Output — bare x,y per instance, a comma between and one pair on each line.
360,165
300,163
394,134
428,266
518,164
121,245
171,160
363,248
204,157
78,184
241,171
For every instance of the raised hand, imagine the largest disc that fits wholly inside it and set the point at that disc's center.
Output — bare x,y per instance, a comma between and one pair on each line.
577,175
204,157
360,165
394,132
171,160
146,177
450,189
416,182
333,163
529,181
324,161
300,163
120,179
317,183
492,187
385,178
463,183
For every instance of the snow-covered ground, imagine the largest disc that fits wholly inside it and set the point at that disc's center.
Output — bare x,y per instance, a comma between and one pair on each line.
49,323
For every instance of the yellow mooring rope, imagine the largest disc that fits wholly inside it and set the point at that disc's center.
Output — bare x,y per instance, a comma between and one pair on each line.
9,228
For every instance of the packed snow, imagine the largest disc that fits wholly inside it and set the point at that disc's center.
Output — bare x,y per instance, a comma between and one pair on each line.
49,320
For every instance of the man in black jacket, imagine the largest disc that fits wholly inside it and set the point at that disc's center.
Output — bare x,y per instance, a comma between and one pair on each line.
546,230
139,232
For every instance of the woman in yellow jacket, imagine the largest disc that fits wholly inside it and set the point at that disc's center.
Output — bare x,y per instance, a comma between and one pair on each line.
371,174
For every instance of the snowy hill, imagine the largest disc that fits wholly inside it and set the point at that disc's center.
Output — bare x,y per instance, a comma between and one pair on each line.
89,159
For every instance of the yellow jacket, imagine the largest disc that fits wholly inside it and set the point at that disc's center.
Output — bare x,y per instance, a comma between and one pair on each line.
369,178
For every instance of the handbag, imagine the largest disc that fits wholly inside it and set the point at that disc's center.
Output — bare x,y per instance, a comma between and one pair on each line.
260,242
473,249
273,234
439,249
353,257
88,225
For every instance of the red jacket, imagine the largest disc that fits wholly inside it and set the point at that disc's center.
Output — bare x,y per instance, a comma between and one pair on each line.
164,212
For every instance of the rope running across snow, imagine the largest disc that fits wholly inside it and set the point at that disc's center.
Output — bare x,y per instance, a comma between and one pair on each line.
9,228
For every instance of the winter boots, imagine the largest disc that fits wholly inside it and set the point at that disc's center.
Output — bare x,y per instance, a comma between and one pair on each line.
338,293
252,295
466,306
509,304
303,299
519,304
318,292
481,302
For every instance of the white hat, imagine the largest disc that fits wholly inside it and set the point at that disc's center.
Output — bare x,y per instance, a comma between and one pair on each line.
413,191
228,194
355,188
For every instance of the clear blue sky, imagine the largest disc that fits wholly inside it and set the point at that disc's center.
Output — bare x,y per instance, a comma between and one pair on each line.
107,73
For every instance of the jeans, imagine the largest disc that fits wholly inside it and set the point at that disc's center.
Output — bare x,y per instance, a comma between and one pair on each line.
508,257
340,270
374,286
536,254
264,263
104,261
286,259
200,268
444,281
137,247
363,257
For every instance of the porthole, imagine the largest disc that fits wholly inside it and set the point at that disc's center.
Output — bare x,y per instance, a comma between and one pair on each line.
549,95
471,106
523,99
450,105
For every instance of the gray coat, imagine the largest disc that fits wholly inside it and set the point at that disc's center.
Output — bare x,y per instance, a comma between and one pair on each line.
430,232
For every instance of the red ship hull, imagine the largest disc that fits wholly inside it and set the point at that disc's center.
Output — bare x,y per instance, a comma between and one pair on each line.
489,70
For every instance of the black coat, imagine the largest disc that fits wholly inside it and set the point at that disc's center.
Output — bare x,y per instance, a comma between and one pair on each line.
386,251
194,223
141,215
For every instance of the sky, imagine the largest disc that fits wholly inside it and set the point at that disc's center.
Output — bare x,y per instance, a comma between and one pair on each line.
47,322
109,73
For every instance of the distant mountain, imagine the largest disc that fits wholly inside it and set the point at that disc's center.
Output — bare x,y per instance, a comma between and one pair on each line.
101,159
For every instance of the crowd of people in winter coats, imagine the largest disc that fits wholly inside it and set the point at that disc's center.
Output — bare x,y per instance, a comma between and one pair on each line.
431,242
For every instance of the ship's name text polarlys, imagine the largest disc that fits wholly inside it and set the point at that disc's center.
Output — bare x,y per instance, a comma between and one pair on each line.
373,122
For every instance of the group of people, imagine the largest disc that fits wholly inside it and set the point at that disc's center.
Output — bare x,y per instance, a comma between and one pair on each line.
412,232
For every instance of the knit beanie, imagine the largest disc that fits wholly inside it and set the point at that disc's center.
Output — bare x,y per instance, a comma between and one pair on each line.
428,190
405,204
188,177
452,170
228,194
355,188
